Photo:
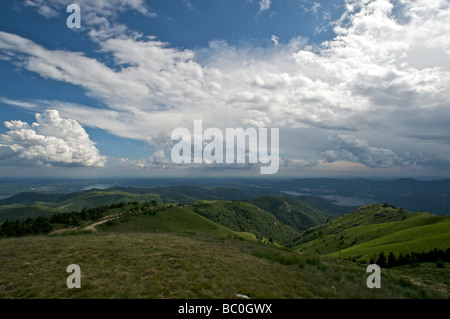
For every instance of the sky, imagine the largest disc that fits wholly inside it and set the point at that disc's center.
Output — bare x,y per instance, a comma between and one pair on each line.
355,87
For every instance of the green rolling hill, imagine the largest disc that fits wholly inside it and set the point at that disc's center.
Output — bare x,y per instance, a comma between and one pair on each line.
375,228
23,212
240,216
33,204
191,193
99,198
171,220
76,200
38,205
292,212
96,197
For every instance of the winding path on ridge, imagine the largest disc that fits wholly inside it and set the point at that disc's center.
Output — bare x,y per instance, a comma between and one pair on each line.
92,228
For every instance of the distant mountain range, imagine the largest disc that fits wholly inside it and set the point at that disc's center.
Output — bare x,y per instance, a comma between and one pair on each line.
334,196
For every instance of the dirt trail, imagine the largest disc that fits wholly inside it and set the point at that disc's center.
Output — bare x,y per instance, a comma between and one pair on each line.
92,228
63,229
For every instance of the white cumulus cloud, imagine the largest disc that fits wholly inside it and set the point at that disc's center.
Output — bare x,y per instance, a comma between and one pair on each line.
50,140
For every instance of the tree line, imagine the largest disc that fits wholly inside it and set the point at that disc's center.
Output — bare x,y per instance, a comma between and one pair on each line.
435,255
44,225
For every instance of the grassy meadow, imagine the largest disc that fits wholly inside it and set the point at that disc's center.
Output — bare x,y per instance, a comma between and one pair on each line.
167,265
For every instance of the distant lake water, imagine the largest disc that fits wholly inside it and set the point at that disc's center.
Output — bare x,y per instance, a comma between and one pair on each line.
98,186
337,200
4,196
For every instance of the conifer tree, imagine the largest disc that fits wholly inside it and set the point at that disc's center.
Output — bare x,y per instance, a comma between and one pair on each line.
381,260
392,261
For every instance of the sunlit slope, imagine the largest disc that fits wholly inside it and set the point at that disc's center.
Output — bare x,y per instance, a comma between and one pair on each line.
171,220
375,228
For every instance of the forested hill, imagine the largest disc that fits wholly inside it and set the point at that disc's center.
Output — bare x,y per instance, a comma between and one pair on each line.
295,213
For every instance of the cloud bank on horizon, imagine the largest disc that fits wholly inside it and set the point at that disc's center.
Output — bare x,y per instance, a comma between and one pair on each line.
375,95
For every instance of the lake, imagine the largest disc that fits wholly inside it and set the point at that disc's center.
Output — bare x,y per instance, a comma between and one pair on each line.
98,186
337,199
